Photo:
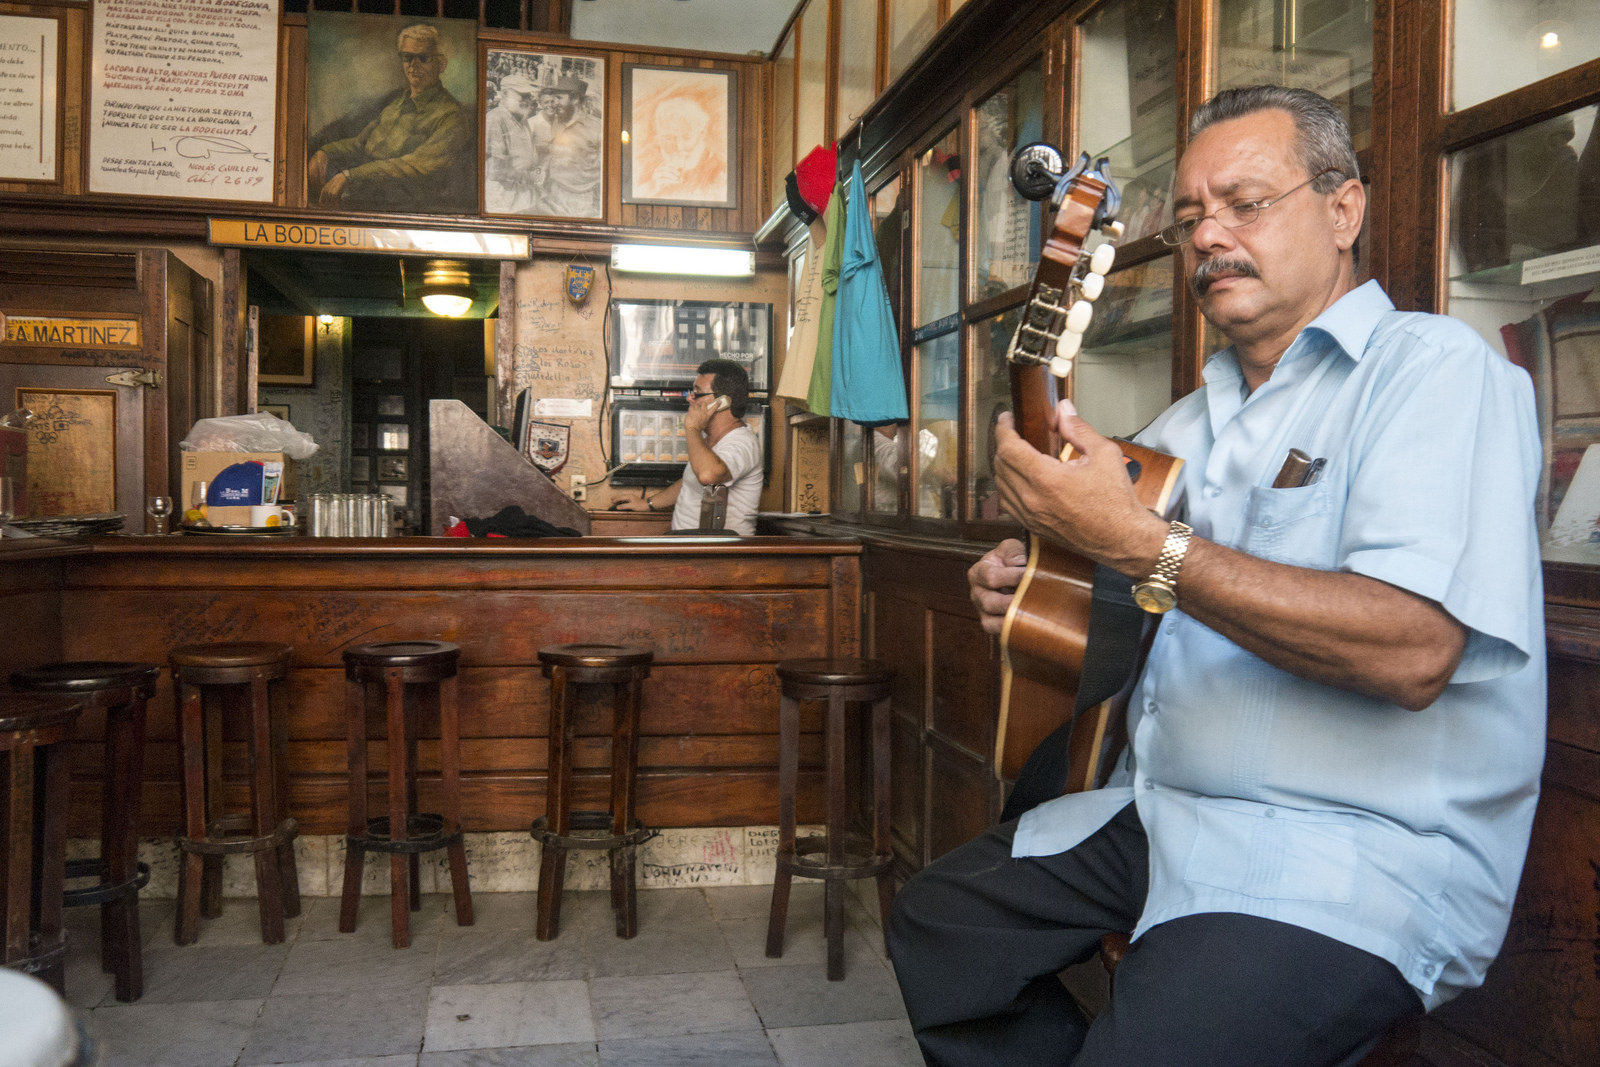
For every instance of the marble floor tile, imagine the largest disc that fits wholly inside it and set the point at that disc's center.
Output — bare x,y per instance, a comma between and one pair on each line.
574,1055
508,1015
887,1043
664,1005
677,935
499,955
803,996
211,972
755,901
738,1048
493,911
333,1025
193,1034
407,1060
335,966
87,985
320,920
805,943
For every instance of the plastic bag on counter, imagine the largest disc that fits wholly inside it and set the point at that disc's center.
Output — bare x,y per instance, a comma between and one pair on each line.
258,432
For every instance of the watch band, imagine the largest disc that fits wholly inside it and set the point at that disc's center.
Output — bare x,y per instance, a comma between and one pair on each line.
1173,550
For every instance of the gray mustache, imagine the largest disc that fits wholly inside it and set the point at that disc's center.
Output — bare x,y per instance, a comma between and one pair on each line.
1205,275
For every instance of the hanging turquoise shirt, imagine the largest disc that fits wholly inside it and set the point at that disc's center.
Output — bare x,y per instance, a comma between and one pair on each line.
819,396
868,384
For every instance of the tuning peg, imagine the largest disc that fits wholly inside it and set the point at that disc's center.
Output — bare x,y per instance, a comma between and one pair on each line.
1092,286
1060,367
1114,229
1104,256
1067,345
1079,316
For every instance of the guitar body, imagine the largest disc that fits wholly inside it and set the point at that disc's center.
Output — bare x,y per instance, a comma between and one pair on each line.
1046,630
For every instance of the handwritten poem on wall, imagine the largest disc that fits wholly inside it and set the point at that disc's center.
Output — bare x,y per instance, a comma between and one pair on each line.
27,98
184,98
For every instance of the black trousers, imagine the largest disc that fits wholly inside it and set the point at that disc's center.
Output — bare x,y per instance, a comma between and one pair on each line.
977,939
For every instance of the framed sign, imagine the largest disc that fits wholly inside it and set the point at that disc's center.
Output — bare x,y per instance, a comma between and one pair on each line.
680,128
286,350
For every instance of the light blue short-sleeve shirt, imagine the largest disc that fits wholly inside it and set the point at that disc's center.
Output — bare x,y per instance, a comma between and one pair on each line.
1401,833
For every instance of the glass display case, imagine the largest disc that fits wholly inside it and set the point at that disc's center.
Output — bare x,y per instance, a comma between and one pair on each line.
811,98
936,415
783,117
991,395
912,24
1006,233
1525,273
939,230
858,61
885,463
1321,45
1502,45
1127,103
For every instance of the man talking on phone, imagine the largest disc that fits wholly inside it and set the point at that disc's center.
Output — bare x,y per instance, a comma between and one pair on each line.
722,449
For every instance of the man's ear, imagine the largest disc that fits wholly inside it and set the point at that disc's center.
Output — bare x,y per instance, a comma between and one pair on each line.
1349,208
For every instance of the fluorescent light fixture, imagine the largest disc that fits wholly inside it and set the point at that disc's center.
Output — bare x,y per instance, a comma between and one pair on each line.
682,259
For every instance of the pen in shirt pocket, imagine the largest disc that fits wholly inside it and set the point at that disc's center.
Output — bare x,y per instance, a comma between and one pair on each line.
1298,469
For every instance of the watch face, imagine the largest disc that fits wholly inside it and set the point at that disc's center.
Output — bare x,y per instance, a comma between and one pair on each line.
1154,597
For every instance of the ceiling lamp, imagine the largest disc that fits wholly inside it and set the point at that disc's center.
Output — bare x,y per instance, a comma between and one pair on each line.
447,288
681,259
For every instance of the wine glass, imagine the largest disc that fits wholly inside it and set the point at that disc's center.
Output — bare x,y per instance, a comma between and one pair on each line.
8,503
159,507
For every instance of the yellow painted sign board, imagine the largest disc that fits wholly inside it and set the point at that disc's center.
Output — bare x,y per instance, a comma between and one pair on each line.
338,237
55,331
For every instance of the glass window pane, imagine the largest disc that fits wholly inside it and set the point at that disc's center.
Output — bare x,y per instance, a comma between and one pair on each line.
1123,377
852,471
938,411
1128,104
809,106
1501,45
991,394
858,61
888,468
1007,243
889,210
939,272
911,27
782,119
1321,45
1524,249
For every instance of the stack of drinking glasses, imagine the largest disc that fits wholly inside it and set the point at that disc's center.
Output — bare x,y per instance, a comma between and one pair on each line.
350,515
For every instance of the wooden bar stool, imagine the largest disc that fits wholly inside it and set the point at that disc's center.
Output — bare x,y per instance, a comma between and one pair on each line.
402,680
34,730
121,691
840,682
248,680
624,668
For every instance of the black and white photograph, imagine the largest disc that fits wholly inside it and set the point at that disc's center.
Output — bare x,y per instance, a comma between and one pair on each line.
544,134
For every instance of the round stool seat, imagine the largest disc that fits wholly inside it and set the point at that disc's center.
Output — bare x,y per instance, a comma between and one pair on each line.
842,671
24,712
595,656
402,654
230,654
87,676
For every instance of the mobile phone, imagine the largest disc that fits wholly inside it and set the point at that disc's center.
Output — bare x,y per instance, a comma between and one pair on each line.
721,403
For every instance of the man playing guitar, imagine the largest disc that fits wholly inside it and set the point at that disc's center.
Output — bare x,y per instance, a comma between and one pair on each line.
1320,820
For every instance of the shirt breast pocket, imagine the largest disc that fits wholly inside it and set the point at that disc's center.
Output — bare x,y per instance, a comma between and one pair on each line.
1273,853
1290,525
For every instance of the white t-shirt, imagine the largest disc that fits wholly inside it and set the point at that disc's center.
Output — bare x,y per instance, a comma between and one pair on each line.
740,452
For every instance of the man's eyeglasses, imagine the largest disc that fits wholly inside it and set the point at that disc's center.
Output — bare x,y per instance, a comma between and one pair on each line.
1233,216
696,395
408,58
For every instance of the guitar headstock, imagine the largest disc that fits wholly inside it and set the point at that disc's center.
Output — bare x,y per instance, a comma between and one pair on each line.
1061,301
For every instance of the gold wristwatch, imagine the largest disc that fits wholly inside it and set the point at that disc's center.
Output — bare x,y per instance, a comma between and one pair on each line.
1159,592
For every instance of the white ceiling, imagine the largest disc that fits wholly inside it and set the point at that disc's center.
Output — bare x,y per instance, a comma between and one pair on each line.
738,26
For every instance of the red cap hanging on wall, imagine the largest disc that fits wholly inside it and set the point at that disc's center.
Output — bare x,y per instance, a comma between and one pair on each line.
811,183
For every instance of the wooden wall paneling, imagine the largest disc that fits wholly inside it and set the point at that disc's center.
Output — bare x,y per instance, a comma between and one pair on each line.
963,689
895,632
30,599
963,797
1196,74
505,346
74,102
235,381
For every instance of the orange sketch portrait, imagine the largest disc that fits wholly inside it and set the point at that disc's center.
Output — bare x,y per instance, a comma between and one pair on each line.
679,136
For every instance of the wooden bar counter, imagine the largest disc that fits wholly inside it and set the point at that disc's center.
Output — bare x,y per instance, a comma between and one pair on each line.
719,612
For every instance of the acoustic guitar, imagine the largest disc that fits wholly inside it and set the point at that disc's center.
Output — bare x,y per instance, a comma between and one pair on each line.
1046,629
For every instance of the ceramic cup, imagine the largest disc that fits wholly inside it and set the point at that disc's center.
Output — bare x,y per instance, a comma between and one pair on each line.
270,515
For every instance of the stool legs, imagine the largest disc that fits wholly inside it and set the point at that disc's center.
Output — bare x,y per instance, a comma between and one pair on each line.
120,941
288,873
838,819
263,817
197,777
403,713
882,843
553,858
33,776
788,783
624,755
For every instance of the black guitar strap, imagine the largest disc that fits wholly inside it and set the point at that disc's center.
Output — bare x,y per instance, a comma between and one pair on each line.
1111,655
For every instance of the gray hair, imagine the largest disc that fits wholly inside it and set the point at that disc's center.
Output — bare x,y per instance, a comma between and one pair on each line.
1321,134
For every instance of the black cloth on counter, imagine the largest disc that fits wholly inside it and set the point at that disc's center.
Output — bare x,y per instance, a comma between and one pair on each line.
514,522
